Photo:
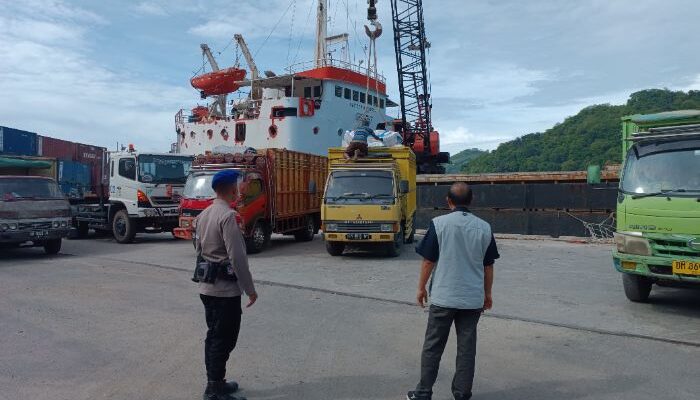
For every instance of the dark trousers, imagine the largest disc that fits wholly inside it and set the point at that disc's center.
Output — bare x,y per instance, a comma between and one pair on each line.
223,322
439,324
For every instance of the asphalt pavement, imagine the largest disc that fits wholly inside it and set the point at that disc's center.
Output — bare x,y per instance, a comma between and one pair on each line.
103,320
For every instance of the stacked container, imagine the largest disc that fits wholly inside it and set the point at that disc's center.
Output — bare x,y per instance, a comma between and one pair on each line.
17,142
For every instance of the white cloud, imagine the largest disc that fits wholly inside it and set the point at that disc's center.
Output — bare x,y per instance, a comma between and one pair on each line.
54,88
151,8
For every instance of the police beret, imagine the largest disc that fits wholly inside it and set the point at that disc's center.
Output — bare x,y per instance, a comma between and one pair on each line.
226,176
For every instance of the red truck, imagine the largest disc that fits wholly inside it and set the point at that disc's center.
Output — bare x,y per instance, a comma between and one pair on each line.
279,192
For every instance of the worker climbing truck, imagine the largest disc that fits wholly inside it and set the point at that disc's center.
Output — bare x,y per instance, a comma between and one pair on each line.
279,192
370,202
658,207
144,194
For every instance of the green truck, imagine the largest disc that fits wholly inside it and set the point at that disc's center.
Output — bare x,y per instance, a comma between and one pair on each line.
658,204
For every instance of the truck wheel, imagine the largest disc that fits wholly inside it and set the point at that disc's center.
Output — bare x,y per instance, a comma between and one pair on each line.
307,234
123,227
52,246
394,248
637,288
258,240
335,248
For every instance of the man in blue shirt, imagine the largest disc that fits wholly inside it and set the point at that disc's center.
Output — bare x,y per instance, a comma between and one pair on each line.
358,147
458,251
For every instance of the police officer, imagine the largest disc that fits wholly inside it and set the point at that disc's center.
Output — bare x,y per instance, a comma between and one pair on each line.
459,251
223,264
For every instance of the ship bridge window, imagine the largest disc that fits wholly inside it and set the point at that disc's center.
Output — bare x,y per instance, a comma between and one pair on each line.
381,103
317,91
355,95
347,94
370,99
281,112
307,92
338,91
362,97
240,132
375,101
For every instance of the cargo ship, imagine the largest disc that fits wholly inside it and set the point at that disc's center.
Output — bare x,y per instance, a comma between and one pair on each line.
307,109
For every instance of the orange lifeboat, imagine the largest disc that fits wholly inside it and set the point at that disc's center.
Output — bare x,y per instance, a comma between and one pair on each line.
219,82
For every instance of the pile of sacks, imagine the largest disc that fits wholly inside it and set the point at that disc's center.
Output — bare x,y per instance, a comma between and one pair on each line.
388,139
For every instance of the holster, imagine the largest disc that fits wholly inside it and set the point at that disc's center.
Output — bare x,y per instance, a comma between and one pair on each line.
208,272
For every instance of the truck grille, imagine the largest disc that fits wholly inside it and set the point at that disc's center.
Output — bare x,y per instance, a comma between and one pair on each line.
163,201
359,228
189,212
34,225
672,248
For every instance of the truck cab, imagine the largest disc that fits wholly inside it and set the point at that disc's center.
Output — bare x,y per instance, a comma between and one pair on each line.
33,213
658,209
144,194
370,202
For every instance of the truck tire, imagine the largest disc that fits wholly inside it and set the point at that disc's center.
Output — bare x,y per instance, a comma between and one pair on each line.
52,246
307,234
259,239
637,288
393,249
123,227
335,249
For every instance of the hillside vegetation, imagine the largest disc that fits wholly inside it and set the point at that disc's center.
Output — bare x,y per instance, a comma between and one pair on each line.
590,137
460,160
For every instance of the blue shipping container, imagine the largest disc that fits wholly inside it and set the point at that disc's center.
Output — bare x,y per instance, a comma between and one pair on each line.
74,178
17,142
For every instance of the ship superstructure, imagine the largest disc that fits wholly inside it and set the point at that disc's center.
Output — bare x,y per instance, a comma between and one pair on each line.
307,109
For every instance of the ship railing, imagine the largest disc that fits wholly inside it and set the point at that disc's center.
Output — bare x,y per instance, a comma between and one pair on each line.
180,117
331,62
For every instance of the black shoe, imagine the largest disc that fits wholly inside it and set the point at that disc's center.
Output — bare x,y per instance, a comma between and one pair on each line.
218,391
413,395
230,386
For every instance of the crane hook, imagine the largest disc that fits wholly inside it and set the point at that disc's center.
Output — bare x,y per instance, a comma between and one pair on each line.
377,32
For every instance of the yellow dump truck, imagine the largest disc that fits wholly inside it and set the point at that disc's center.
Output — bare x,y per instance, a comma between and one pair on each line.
371,201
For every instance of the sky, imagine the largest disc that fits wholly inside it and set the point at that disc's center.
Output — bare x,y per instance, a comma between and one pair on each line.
105,71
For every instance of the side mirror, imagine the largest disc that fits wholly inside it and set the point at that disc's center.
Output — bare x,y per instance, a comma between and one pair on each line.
403,187
312,187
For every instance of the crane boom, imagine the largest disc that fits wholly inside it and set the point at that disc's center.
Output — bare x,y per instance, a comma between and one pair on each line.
207,52
246,54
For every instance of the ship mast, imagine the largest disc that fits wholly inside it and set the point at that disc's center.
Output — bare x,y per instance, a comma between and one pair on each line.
321,33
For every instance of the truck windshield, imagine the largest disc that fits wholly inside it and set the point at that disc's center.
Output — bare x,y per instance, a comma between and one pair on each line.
360,187
29,189
163,169
663,173
198,186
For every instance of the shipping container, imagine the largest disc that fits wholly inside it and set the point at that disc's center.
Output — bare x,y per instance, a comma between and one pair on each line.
74,178
58,148
96,158
17,142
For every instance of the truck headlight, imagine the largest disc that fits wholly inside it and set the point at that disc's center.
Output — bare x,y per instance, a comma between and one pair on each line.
56,224
13,227
632,243
185,223
4,227
331,228
387,227
64,224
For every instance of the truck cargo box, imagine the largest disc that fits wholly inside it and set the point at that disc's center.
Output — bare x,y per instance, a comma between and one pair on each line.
27,166
17,142
293,172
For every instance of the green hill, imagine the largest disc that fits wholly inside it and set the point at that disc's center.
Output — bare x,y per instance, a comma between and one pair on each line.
590,137
460,160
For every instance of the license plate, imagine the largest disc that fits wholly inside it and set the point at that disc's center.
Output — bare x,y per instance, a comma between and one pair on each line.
358,236
686,267
39,234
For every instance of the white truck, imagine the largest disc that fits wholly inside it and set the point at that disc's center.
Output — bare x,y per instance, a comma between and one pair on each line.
144,195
